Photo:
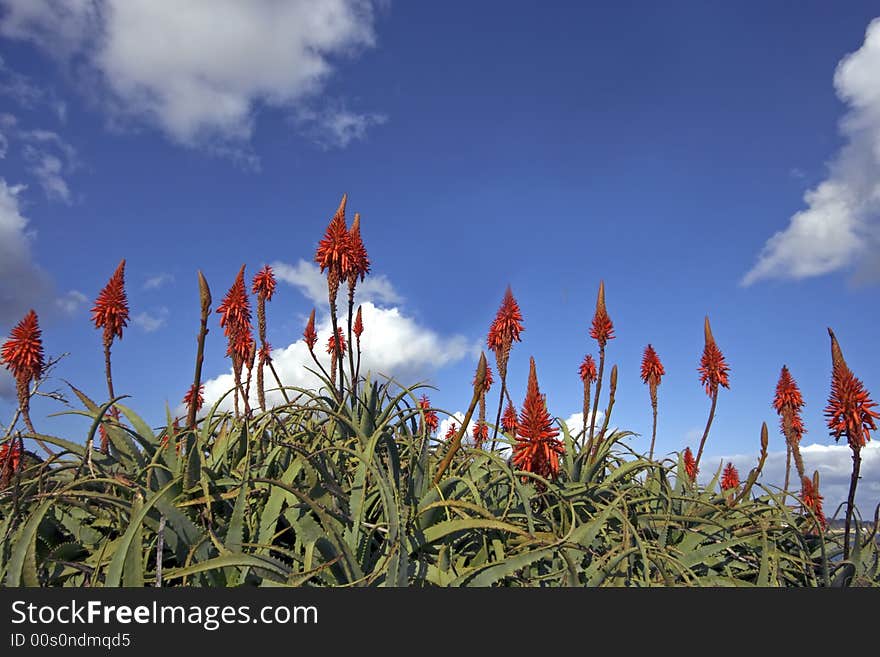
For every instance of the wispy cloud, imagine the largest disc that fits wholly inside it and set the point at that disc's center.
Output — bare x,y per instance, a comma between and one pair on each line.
151,322
840,228
336,128
217,62
157,281
71,302
308,279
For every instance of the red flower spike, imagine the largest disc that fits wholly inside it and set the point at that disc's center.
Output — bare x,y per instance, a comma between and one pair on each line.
10,456
111,307
509,419
602,328
481,434
788,402
23,352
264,283
730,478
587,369
813,501
507,325
360,262
199,397
334,249
487,384
331,343
537,448
265,354
235,310
432,422
849,408
451,431
713,368
690,464
358,327
652,368
309,334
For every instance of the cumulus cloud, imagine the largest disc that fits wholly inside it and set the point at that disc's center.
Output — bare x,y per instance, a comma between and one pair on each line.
308,279
217,61
840,227
392,344
157,281
151,322
834,463
21,281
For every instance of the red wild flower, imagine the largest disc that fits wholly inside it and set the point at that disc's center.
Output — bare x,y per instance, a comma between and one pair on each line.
690,464
788,403
713,369
360,262
111,307
23,352
509,419
506,326
849,408
358,328
331,343
309,334
10,455
487,384
199,398
730,478
537,448
813,501
652,368
451,431
265,354
481,434
587,369
334,249
602,328
264,283
235,309
431,419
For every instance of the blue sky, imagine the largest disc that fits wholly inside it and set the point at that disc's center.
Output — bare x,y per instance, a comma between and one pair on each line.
699,157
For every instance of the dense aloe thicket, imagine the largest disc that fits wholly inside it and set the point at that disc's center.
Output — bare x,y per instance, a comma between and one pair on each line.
348,484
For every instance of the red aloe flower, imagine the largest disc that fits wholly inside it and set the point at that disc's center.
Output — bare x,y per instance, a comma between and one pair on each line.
264,283
587,369
849,408
309,334
331,343
690,464
509,420
487,384
730,478
602,328
199,398
788,403
334,250
451,431
235,309
265,354
481,434
431,419
360,262
652,368
358,328
813,501
506,326
23,352
713,368
10,455
111,307
537,448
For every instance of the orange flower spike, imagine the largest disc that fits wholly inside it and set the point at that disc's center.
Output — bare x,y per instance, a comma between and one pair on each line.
331,343
487,384
602,328
10,455
537,448
690,464
309,334
111,307
587,369
334,249
730,478
199,398
813,500
509,419
22,354
652,368
264,283
713,368
358,328
481,434
432,422
360,261
507,325
451,431
788,400
849,408
234,310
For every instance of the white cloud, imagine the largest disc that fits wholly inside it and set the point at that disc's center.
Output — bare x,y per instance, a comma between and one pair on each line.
47,156
71,302
834,463
152,322
199,70
308,279
839,228
21,281
48,170
392,345
337,128
155,282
